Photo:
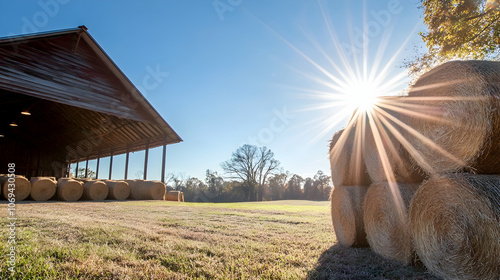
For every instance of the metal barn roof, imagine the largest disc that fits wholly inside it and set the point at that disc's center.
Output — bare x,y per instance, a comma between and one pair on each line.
81,104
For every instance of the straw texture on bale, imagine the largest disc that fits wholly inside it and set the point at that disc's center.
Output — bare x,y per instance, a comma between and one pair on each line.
69,189
22,187
118,190
172,196
181,199
347,215
94,190
396,155
455,226
472,110
385,217
146,190
346,161
42,188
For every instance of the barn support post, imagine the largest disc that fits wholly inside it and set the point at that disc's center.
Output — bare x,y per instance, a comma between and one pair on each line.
126,163
97,167
146,155
87,168
76,172
163,161
110,164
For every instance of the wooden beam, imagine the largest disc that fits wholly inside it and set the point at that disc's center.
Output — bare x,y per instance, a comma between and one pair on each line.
163,161
126,164
146,155
87,168
97,168
110,164
76,173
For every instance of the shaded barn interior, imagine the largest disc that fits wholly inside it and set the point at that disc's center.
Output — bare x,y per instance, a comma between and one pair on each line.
63,100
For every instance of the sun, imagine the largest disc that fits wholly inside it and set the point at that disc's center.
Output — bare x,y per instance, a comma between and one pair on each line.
361,95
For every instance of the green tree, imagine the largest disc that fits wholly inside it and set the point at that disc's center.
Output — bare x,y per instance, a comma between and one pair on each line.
81,173
253,165
293,188
277,185
458,29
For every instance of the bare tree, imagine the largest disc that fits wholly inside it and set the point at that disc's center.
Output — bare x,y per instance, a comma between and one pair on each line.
252,165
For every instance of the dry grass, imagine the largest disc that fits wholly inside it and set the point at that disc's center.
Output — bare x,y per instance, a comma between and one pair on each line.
169,240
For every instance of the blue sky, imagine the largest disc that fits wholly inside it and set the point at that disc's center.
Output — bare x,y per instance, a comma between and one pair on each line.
238,70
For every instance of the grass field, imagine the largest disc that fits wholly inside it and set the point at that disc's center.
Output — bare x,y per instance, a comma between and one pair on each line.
168,240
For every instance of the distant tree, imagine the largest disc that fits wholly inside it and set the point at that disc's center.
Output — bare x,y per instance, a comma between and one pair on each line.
323,185
310,189
277,185
293,188
195,190
466,29
253,165
176,181
81,173
214,182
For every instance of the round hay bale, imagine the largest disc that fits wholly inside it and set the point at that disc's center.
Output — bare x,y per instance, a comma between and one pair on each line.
465,94
146,190
172,196
182,197
347,215
42,188
94,190
385,216
394,154
69,189
346,161
22,187
455,226
118,190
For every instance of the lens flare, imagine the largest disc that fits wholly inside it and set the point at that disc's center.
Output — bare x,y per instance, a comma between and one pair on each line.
361,95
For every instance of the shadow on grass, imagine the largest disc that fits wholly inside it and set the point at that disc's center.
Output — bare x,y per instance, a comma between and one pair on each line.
340,262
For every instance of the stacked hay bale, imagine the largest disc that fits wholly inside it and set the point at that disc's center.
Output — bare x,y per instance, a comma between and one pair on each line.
455,215
22,186
117,190
146,190
69,189
42,188
349,188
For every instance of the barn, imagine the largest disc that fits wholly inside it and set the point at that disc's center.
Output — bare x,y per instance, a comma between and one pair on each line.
63,101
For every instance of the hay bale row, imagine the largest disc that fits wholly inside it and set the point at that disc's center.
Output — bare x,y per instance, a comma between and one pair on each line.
94,190
69,189
455,225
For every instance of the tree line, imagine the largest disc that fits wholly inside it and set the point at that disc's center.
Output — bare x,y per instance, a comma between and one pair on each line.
252,174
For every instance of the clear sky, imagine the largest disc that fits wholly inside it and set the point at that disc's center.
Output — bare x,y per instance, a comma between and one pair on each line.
238,71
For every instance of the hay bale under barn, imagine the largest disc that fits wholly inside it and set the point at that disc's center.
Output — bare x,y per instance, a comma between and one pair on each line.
69,189
464,96
385,216
172,196
455,226
346,160
117,190
94,190
146,190
347,215
42,188
22,187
